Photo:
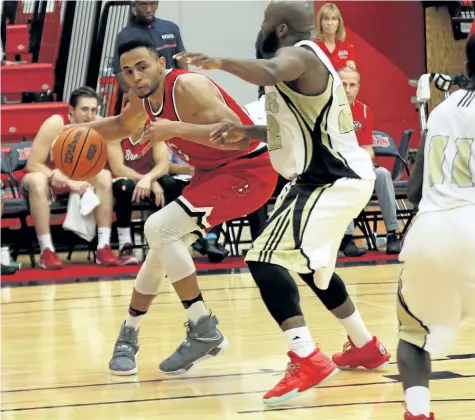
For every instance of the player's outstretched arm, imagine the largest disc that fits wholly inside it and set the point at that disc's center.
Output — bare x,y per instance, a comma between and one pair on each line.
228,132
288,65
120,126
200,108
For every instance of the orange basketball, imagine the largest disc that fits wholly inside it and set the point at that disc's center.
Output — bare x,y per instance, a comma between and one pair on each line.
80,153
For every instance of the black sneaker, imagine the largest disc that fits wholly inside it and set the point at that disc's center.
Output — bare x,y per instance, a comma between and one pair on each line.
393,244
349,248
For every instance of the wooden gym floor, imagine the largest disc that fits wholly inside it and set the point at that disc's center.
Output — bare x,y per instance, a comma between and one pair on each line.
57,341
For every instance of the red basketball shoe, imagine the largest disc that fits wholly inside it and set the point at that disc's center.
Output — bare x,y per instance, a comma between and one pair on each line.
372,356
409,416
302,374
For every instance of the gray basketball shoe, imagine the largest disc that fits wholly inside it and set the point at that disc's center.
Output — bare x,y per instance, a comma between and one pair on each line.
125,351
202,341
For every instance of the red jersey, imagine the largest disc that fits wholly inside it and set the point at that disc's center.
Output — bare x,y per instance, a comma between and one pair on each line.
342,53
134,157
472,30
363,123
197,155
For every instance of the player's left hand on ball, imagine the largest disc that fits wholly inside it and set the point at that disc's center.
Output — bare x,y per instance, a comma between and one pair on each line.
228,132
199,60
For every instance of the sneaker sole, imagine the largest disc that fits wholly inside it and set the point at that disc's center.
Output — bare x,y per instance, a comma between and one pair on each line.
294,393
386,363
215,351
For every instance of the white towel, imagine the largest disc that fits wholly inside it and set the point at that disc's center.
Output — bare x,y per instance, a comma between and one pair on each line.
79,217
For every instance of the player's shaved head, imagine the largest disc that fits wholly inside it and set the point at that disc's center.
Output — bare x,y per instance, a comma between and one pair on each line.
285,23
297,15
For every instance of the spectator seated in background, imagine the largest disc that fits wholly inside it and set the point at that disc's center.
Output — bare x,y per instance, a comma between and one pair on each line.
331,37
138,176
164,34
384,187
43,182
8,266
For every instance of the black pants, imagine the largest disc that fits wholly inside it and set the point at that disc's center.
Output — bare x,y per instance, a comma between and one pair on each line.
123,190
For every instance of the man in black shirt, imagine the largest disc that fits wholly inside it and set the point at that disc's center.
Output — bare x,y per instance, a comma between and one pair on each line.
164,34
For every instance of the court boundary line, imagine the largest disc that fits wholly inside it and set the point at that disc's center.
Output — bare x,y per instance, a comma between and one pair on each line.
214,395
306,407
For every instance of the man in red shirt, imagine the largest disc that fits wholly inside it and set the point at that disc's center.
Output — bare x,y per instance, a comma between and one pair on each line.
229,181
363,123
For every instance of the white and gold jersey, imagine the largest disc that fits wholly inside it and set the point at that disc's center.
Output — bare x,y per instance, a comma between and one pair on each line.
449,154
312,136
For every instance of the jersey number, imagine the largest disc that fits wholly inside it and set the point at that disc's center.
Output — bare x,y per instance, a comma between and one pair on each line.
274,140
460,173
345,118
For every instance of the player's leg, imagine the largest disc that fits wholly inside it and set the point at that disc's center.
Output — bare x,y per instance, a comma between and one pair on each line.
123,189
429,322
384,188
362,349
336,207
211,199
102,184
168,233
37,190
273,253
165,232
146,287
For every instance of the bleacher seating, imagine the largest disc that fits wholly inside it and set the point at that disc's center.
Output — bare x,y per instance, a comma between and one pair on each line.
22,121
17,39
33,77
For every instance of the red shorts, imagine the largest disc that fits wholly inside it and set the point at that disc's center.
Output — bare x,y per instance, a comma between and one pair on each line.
229,192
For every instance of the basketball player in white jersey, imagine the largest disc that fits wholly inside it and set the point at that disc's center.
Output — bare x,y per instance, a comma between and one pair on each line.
312,144
437,282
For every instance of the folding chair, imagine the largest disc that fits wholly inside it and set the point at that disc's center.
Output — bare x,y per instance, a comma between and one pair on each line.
16,207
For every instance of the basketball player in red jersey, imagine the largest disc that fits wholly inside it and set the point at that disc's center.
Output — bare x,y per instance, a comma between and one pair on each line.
229,181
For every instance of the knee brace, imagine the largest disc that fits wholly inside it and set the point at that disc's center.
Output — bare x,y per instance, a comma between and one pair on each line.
334,296
278,290
151,275
166,231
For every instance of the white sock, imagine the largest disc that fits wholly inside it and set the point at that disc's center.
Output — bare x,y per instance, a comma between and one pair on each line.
300,341
134,321
197,311
103,237
356,329
45,242
124,236
418,400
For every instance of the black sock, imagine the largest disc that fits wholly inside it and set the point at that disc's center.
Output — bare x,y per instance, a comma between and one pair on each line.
135,312
187,303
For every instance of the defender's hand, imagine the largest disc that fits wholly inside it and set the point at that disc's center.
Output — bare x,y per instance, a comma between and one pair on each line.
199,60
228,132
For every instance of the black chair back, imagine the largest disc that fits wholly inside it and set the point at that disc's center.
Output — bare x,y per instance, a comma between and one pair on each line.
19,154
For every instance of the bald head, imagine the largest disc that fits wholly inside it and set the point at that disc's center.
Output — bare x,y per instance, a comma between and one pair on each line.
297,15
285,23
